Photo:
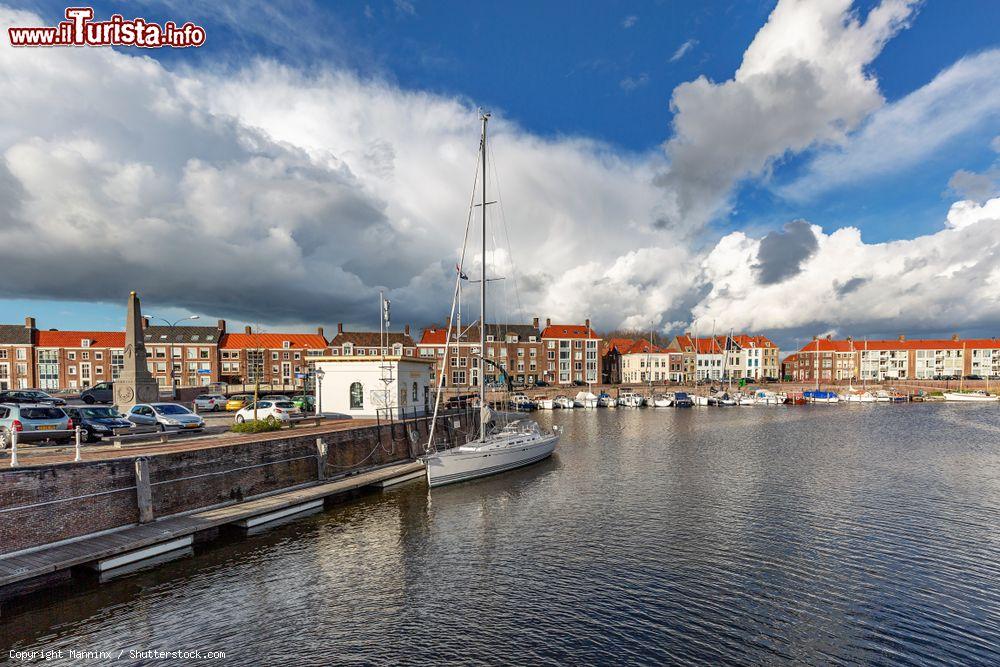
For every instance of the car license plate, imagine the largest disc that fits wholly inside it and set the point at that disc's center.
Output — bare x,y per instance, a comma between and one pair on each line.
47,427
190,426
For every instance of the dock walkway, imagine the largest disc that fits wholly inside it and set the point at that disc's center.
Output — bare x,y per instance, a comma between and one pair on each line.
20,567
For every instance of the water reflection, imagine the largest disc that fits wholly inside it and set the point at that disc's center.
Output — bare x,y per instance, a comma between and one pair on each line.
816,534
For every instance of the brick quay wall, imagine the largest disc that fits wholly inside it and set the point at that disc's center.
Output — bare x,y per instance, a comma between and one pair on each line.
40,505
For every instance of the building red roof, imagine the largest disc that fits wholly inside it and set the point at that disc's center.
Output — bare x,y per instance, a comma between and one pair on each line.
272,341
745,341
114,339
569,331
848,345
621,344
432,336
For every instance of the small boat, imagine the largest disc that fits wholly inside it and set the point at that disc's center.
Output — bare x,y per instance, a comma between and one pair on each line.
980,396
682,400
855,396
698,399
721,399
606,400
628,399
662,401
585,399
818,396
882,396
744,399
563,402
795,398
521,403
765,397
544,403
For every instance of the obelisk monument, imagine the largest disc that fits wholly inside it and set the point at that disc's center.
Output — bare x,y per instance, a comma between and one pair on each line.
134,384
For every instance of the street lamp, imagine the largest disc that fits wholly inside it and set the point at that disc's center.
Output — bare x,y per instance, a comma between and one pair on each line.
170,363
319,373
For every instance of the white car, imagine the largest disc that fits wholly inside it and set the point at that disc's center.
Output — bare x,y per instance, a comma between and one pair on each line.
280,410
213,402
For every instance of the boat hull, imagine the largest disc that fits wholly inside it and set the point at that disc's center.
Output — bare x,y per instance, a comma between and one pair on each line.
959,396
458,465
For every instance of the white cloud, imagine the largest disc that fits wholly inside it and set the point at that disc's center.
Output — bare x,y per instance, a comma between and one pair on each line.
683,49
630,83
803,82
945,279
629,21
911,130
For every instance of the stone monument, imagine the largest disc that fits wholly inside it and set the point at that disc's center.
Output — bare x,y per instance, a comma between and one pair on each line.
135,384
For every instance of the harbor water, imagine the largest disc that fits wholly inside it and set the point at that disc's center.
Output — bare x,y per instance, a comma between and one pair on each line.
816,534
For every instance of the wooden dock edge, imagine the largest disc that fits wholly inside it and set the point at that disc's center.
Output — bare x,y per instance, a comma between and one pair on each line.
27,572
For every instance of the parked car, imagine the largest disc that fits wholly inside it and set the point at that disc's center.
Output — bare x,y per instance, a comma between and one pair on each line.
541,383
213,402
280,410
304,402
165,416
973,377
579,383
102,392
97,422
34,396
239,401
275,397
34,422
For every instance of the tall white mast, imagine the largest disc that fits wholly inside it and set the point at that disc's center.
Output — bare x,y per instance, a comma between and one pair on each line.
482,298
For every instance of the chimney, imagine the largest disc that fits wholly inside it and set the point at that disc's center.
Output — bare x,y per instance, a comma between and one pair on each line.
145,322
815,337
586,323
221,325
850,339
29,323
534,322
406,329
829,336
902,337
340,327
548,321
319,330
447,323
954,336
247,330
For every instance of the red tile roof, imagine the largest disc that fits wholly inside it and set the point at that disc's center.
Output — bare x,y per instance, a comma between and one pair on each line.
896,344
438,336
272,341
745,341
569,331
621,344
114,339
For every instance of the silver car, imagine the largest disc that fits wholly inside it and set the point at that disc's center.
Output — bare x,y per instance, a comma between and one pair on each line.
165,416
34,422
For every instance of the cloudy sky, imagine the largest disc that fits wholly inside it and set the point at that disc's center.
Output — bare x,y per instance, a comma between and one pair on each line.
791,167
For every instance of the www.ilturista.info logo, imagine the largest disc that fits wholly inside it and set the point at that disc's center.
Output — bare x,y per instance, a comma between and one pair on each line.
79,29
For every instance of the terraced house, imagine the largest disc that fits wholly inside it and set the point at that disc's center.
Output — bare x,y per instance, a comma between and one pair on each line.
571,353
269,358
16,355
361,343
514,348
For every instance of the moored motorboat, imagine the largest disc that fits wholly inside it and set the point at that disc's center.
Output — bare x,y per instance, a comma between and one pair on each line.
766,397
662,401
606,400
819,396
795,398
585,399
855,396
563,402
629,399
978,396
682,400
544,403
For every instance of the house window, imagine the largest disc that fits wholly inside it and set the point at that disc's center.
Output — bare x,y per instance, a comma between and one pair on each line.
357,396
414,392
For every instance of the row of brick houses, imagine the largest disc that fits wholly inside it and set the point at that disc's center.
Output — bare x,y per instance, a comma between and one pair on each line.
558,354
830,360
688,359
180,356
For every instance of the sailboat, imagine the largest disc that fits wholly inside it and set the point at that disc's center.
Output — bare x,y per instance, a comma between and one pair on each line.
499,446
963,395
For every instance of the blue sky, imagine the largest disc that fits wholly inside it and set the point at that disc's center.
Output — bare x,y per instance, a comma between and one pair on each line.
605,71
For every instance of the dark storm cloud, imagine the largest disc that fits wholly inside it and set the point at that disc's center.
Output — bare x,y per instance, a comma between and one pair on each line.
851,285
781,254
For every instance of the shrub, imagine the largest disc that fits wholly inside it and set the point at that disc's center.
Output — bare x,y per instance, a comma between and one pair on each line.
257,426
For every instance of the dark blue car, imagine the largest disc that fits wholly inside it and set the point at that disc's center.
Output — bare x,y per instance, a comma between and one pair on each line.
97,422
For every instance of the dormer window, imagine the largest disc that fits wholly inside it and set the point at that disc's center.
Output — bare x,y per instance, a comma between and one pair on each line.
489,339
348,349
286,344
84,342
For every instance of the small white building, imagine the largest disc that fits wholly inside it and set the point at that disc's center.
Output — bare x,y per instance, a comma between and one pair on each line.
366,386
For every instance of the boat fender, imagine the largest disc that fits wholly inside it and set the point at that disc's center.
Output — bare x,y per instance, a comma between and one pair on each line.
555,428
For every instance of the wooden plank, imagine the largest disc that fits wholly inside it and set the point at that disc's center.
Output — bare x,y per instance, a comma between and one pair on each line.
26,566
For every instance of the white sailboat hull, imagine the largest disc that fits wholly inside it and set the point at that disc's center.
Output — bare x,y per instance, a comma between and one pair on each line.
700,400
662,402
959,396
475,460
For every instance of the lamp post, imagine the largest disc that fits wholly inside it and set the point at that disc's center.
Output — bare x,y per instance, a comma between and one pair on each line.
170,362
319,373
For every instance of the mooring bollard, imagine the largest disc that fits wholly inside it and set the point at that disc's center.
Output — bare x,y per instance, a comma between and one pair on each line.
13,448
321,458
77,458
